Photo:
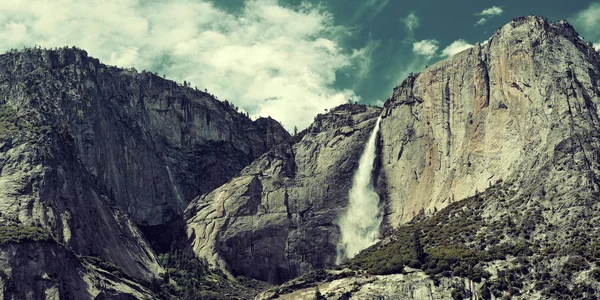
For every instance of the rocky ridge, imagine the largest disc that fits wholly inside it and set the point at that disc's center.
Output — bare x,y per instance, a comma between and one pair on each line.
490,163
89,152
276,220
190,142
346,284
487,114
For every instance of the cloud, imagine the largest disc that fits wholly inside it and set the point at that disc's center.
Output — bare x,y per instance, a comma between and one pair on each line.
587,22
456,47
363,60
125,56
426,47
370,9
481,21
411,22
266,58
488,13
597,46
492,11
589,17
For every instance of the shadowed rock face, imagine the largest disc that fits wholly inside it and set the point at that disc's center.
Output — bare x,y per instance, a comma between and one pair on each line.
47,270
522,105
489,113
515,123
153,144
44,184
276,220
92,151
88,152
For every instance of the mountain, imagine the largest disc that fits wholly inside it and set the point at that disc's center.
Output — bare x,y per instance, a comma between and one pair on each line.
276,220
90,152
117,116
490,113
490,161
119,184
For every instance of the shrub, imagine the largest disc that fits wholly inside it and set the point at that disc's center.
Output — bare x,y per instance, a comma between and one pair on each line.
107,266
575,264
16,234
595,274
12,124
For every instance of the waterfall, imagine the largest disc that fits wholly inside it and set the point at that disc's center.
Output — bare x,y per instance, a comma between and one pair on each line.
359,224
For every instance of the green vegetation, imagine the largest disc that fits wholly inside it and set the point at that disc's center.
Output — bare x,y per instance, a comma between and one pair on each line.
437,245
17,234
188,277
107,266
513,240
12,124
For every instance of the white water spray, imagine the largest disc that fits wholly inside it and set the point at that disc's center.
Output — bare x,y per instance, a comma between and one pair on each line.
359,225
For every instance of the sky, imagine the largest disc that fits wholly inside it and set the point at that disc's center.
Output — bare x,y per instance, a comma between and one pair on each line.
287,59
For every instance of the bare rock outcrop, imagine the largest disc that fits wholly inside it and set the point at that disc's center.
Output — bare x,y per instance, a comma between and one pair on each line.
346,284
489,113
154,144
88,152
276,220
47,270
43,184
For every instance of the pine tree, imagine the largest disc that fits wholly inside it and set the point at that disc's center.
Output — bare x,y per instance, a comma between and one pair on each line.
418,247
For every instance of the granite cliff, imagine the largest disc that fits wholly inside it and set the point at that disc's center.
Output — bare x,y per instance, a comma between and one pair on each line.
276,220
90,152
490,163
487,114
152,143
487,169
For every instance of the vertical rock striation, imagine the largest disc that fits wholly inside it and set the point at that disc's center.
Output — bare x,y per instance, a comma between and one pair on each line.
276,220
488,113
153,144
88,152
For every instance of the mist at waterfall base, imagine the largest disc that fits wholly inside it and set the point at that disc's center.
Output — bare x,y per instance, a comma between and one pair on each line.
359,224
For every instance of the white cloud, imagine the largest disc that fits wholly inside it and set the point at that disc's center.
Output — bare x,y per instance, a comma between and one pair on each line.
425,47
268,59
492,11
456,47
363,60
587,22
481,21
371,9
411,22
13,33
124,56
589,17
488,13
597,46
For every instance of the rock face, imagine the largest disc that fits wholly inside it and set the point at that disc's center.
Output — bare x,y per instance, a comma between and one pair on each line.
514,124
339,285
153,144
519,114
276,220
49,271
88,152
489,113
43,184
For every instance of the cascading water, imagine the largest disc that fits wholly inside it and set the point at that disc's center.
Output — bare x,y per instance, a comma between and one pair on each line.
359,224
